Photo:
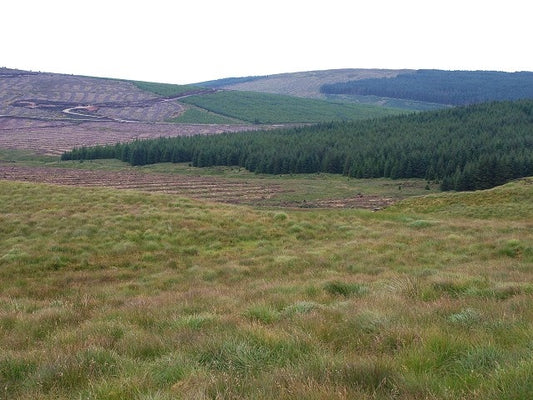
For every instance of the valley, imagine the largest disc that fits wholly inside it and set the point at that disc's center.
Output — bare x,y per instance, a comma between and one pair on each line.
211,267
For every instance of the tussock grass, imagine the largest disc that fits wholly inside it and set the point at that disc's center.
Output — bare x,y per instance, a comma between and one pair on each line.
511,201
116,294
345,289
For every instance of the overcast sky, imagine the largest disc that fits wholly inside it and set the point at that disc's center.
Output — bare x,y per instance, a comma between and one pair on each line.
197,40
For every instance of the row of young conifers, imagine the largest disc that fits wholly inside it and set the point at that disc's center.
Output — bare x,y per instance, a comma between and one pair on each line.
465,148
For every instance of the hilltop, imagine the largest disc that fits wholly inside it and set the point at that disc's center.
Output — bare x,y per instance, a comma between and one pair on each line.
66,110
300,84
49,113
410,89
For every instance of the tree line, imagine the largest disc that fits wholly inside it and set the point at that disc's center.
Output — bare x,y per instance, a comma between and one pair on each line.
464,148
444,87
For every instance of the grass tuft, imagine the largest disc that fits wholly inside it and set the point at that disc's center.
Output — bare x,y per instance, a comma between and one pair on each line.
262,313
466,317
345,289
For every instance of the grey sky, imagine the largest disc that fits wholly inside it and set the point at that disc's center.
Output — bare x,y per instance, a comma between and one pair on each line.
196,40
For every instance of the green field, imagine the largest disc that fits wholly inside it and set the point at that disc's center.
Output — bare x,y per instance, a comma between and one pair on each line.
195,115
264,108
108,294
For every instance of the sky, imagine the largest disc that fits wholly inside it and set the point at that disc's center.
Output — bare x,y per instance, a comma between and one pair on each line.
197,40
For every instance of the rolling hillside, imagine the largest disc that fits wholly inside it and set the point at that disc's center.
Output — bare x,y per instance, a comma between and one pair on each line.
299,84
167,281
309,84
407,89
443,87
109,294
49,113
49,96
266,108
467,148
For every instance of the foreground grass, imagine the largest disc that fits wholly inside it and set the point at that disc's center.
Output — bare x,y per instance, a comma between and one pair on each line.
114,294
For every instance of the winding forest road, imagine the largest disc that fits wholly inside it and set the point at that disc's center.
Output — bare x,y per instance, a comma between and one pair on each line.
94,117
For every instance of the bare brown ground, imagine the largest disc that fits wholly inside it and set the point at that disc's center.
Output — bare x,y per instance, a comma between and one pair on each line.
371,202
200,187
234,191
53,137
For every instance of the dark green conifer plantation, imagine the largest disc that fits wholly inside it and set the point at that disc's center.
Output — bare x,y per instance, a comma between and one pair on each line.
442,87
465,148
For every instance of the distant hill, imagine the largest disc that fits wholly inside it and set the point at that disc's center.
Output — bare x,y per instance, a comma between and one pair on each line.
309,84
407,89
50,96
443,87
48,113
63,97
300,84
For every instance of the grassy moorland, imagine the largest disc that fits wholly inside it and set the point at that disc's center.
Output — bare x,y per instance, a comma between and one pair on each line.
24,157
108,294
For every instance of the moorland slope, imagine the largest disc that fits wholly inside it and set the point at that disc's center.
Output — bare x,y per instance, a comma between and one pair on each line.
121,294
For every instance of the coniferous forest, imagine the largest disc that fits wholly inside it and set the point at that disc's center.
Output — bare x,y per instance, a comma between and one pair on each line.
444,87
465,148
